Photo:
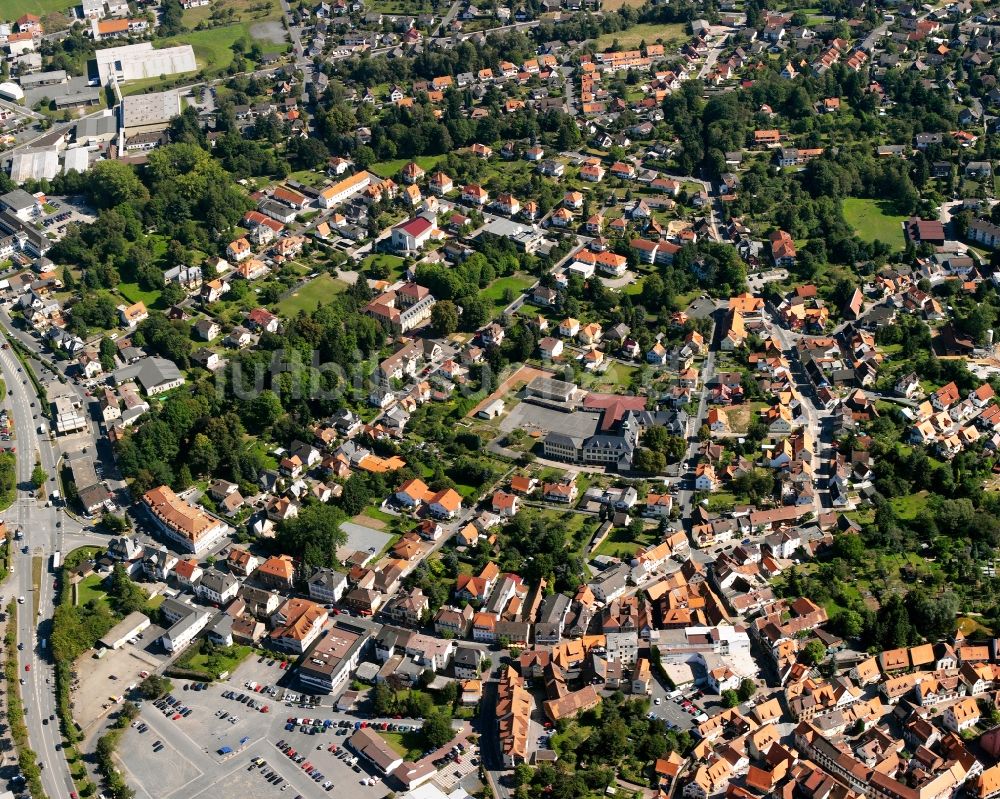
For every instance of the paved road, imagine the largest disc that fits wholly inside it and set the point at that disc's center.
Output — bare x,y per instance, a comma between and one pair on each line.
41,538
448,17
813,416
570,105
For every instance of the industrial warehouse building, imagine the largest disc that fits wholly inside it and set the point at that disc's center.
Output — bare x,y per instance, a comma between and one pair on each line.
149,113
137,61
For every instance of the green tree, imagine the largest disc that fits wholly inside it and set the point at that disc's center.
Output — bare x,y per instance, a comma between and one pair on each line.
113,182
850,547
730,698
444,317
814,652
747,689
437,729
114,523
314,535
38,476
108,350
154,686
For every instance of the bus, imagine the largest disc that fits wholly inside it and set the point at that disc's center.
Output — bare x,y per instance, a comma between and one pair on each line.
56,560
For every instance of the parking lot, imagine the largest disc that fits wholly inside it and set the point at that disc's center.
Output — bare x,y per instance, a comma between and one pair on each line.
65,211
190,765
112,674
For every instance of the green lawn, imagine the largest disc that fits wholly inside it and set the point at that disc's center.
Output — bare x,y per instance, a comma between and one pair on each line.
379,515
874,220
213,660
90,588
143,85
909,506
617,377
496,291
620,544
389,169
409,745
213,47
393,263
240,8
132,293
309,297
652,33
12,9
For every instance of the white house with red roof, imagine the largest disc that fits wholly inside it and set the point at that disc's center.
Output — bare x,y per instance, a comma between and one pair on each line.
413,234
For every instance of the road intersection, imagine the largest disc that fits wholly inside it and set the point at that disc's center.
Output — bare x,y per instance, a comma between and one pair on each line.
46,529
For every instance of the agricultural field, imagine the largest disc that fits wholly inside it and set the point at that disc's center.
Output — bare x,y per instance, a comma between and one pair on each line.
12,9
226,11
614,5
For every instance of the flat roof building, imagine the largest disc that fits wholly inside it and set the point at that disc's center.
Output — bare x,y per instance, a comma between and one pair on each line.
130,626
137,61
69,414
149,113
548,388
75,99
43,78
34,163
335,655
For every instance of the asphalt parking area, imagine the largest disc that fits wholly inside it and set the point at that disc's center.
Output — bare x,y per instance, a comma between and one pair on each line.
155,774
266,671
190,764
102,680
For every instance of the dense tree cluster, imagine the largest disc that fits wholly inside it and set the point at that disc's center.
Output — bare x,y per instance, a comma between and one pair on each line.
182,192
621,740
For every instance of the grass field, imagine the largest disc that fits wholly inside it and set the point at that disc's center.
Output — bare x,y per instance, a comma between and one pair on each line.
213,660
388,169
620,544
650,32
409,745
391,262
12,9
309,297
617,377
231,10
614,5
213,47
90,588
909,506
496,291
145,84
874,220
132,293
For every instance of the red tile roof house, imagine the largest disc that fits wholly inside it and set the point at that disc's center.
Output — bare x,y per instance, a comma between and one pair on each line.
922,231
446,504
412,493
277,572
505,504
